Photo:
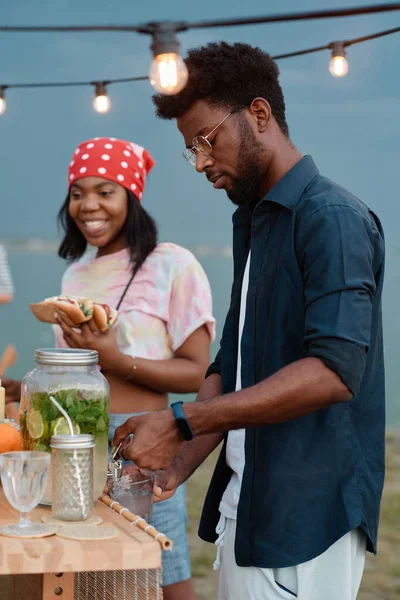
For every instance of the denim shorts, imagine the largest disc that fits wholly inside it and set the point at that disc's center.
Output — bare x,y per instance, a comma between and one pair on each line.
169,517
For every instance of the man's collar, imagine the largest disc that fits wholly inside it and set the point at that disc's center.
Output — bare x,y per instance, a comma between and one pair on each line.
288,190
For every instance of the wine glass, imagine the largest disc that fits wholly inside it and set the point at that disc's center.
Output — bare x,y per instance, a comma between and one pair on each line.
24,477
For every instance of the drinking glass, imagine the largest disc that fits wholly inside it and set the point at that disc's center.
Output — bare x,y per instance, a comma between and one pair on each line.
24,477
134,492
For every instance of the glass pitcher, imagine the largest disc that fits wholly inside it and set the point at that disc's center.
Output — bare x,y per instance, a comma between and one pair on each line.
72,378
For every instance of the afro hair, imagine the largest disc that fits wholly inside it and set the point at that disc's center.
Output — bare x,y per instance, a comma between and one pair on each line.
230,75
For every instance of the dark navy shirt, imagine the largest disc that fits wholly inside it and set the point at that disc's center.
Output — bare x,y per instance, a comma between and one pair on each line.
315,289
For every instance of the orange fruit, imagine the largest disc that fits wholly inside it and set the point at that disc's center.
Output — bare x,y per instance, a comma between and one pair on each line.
10,438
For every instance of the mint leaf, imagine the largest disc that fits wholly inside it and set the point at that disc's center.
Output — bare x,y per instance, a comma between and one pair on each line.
83,406
69,400
42,403
101,424
73,412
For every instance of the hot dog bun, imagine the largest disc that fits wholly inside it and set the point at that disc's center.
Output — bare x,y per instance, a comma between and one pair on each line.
75,311
104,316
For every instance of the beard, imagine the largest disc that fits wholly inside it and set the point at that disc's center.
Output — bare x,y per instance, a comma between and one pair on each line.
250,167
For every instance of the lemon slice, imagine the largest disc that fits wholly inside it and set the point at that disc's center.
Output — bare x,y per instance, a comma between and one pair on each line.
60,427
35,424
40,447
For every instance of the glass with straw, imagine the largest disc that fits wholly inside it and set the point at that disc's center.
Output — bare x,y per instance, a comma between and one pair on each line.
72,473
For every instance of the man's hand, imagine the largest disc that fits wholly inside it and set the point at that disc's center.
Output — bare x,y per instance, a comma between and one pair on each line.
87,338
156,439
165,485
13,389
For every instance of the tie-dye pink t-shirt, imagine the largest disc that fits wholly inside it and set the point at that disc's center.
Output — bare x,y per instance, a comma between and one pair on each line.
167,301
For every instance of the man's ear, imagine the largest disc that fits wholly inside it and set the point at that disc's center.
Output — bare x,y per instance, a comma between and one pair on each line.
260,112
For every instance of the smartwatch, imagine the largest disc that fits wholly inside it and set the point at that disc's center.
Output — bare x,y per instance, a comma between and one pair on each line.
182,422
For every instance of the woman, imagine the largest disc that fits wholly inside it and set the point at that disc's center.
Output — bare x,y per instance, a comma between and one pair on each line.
160,343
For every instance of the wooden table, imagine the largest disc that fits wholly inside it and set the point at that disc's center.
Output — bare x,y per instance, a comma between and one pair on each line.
47,566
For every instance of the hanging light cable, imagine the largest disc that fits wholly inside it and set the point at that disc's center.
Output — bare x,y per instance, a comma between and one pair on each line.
338,66
329,13
3,104
168,72
101,102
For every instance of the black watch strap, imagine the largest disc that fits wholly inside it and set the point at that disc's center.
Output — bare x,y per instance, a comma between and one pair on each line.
182,422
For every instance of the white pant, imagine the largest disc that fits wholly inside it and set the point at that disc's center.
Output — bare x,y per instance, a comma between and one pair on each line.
334,575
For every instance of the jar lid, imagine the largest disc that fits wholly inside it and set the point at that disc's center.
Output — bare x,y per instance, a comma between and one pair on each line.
72,442
66,357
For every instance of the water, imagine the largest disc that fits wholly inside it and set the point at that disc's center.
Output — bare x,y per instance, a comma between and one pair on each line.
100,466
37,276
136,496
72,490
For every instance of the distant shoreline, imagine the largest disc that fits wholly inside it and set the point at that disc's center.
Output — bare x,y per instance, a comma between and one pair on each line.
39,246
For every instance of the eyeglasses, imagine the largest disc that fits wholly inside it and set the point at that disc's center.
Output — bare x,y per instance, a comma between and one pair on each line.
201,143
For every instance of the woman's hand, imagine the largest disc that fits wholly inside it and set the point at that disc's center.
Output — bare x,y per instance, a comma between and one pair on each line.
84,337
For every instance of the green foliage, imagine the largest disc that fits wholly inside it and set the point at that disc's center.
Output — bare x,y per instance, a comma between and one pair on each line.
89,411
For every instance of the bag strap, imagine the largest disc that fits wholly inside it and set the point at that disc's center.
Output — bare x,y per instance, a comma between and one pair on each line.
126,289
122,297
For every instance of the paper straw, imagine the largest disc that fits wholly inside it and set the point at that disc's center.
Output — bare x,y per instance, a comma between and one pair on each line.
77,470
140,523
65,415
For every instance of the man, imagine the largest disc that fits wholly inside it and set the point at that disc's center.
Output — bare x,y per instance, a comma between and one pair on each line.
297,389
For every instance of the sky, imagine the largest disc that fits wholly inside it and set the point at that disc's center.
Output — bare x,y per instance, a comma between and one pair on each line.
350,126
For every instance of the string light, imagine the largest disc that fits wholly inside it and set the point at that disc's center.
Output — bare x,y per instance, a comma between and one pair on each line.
170,79
168,72
338,66
101,102
3,104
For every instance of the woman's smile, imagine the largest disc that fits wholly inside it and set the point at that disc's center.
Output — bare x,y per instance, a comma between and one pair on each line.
93,227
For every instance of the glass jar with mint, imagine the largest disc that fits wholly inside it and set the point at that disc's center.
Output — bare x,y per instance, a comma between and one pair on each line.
71,376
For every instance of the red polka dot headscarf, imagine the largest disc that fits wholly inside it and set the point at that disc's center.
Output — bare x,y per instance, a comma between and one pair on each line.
116,160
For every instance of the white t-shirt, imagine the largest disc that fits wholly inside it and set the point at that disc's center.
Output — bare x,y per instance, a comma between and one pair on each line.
235,457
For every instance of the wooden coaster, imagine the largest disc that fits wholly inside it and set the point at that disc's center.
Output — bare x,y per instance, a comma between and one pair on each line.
92,520
46,532
89,533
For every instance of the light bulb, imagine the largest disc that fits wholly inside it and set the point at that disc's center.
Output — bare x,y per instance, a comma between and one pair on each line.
101,102
3,104
338,66
168,73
